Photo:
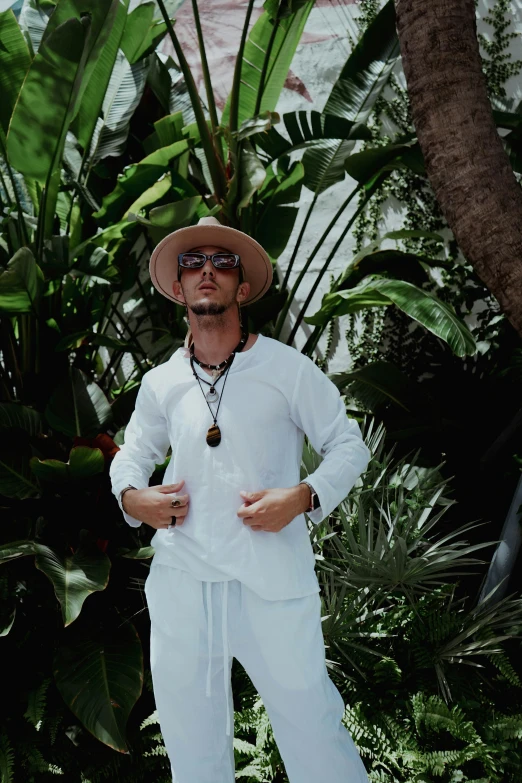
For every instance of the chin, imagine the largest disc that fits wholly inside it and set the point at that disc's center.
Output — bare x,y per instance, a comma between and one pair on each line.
207,308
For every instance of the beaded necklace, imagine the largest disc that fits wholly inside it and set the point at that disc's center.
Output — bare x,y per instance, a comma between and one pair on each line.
218,370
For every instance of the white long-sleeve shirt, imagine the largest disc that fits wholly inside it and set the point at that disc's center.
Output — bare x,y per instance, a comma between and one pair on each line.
273,395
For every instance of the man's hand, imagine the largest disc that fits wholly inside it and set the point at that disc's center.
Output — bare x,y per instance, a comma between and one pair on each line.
273,509
152,505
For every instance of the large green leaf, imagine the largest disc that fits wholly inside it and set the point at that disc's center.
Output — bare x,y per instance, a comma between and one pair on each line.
102,14
21,283
150,196
167,130
74,577
367,69
143,553
366,165
251,174
306,129
16,477
83,463
14,64
7,623
100,680
353,97
325,164
92,100
36,139
19,424
136,179
424,307
41,117
13,414
143,32
95,263
122,96
175,215
33,20
78,407
276,218
16,549
283,46
376,384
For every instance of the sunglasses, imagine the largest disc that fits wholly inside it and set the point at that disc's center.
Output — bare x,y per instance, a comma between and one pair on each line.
219,260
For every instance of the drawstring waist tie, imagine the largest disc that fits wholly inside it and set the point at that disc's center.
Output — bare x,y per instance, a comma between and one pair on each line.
225,643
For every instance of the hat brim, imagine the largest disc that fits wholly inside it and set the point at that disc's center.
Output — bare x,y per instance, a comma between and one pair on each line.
163,265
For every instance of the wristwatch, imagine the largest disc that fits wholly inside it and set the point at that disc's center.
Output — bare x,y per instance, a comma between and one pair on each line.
314,497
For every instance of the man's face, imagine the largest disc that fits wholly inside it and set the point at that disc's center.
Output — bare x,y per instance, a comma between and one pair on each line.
222,294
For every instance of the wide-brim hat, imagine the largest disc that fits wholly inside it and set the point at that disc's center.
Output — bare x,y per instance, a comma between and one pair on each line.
257,267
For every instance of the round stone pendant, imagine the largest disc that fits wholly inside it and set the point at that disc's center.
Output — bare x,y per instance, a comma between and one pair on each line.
212,395
214,435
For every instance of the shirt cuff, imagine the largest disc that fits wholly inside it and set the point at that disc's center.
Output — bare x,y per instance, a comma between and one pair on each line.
131,520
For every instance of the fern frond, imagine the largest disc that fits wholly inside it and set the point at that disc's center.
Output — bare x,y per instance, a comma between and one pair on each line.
6,760
36,704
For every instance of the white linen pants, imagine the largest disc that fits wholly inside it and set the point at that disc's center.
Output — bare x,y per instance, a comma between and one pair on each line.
281,647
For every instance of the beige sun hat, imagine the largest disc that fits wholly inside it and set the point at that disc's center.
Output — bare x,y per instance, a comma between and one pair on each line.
257,267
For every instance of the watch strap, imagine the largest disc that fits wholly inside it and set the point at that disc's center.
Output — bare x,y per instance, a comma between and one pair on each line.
314,498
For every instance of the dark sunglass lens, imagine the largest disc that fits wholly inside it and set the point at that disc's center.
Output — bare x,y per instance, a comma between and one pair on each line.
225,260
193,259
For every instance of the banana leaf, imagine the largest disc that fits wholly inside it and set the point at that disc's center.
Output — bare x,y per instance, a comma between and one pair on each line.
423,306
353,97
136,179
93,97
84,462
379,383
74,577
391,263
122,96
167,130
275,217
143,33
14,64
283,46
15,549
175,215
102,14
101,679
32,21
305,129
21,283
251,174
364,166
13,414
43,112
78,407
44,108
367,69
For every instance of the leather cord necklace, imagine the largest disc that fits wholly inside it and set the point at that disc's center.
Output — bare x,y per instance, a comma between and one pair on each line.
214,433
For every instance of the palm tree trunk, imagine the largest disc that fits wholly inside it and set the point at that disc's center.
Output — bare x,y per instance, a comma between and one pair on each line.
466,163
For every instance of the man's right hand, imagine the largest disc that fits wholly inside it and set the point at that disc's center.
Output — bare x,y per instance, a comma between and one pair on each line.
152,505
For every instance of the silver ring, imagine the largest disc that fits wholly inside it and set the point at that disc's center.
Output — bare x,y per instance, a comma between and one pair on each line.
175,502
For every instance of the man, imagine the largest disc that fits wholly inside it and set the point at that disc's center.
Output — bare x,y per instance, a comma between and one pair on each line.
231,537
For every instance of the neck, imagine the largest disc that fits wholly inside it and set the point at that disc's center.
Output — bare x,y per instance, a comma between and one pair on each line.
213,343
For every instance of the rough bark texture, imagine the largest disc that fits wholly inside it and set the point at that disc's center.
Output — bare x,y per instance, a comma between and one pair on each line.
465,160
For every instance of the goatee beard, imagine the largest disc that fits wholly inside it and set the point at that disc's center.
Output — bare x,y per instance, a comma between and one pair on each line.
207,308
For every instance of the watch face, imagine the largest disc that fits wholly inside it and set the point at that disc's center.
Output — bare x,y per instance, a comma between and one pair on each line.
315,501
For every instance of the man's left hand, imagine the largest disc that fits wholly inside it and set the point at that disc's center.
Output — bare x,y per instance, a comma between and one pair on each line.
272,509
